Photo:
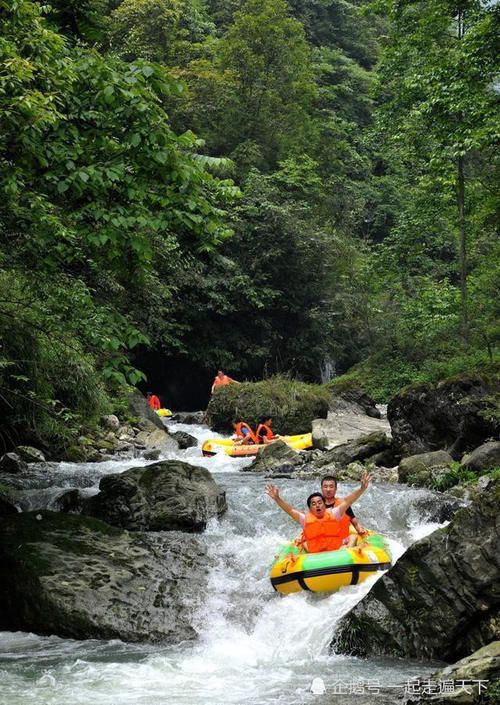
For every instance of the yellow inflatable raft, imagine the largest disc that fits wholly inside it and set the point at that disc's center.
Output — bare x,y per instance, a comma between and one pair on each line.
294,570
226,445
164,412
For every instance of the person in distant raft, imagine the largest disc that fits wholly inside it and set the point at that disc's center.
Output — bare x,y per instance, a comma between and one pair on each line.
322,528
221,380
265,433
153,401
243,432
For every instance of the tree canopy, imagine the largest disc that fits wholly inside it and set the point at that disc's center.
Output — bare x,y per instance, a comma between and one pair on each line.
268,186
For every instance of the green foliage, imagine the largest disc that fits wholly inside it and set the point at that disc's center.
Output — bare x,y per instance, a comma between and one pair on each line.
49,385
119,223
167,31
95,185
455,476
266,50
492,694
79,19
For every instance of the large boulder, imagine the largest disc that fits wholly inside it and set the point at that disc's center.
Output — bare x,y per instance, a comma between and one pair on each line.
421,469
360,449
139,407
339,428
437,507
275,456
190,417
164,496
185,440
457,415
442,598
30,454
152,437
292,405
482,458
12,463
348,398
77,577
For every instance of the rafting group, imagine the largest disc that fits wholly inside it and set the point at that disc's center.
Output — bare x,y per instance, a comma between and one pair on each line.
333,550
243,433
247,442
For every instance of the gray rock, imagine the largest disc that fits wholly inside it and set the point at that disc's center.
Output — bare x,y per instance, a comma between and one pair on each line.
441,599
340,428
125,433
69,501
418,469
164,496
190,417
123,446
185,440
438,507
111,422
12,463
30,454
78,578
156,438
352,400
273,456
140,408
482,458
360,449
152,454
457,414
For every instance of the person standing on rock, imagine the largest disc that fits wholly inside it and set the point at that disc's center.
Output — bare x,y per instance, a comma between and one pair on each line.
222,380
329,490
322,528
153,401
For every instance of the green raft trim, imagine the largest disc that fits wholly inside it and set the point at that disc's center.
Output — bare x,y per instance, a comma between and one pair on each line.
354,568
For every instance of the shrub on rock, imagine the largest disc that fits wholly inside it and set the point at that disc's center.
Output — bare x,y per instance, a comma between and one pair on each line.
293,405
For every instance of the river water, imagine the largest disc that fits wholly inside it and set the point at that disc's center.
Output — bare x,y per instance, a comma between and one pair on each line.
255,647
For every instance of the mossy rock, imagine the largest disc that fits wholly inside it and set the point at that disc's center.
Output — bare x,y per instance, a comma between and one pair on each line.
75,454
77,577
292,405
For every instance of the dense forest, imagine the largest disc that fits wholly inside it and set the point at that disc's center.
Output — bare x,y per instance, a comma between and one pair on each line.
263,186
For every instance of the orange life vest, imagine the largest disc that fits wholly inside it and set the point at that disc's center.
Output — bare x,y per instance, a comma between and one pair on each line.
224,380
345,522
250,435
269,434
323,534
154,402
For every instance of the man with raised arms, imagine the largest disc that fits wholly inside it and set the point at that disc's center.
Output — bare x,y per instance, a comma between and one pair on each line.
329,491
323,529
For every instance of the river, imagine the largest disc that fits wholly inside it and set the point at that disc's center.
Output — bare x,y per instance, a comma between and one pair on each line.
255,647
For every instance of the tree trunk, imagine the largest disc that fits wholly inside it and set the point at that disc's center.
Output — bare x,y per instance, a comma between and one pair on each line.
462,246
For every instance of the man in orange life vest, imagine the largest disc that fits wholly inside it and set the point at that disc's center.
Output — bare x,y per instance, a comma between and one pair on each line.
153,401
323,529
329,490
221,380
243,432
264,432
